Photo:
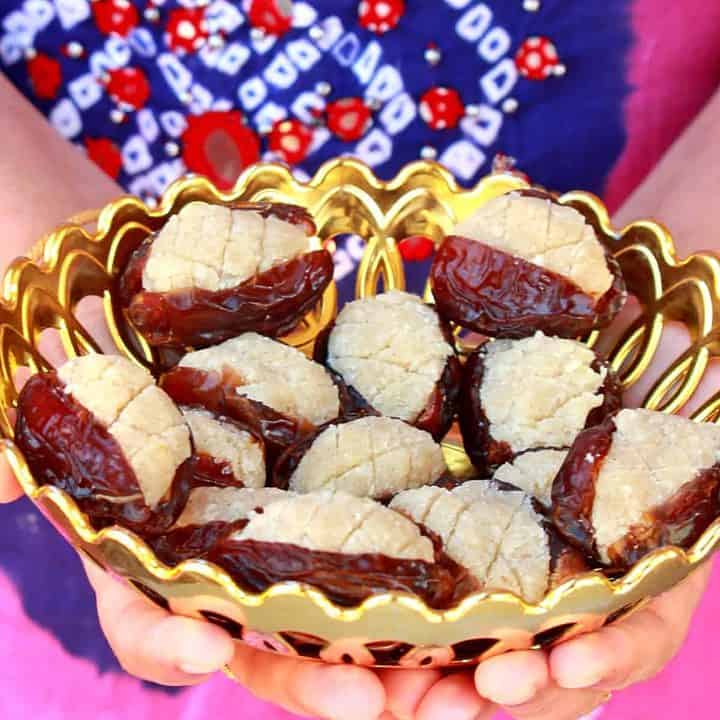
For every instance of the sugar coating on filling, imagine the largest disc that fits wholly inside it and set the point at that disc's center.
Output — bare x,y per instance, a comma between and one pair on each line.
274,374
533,472
139,415
212,247
391,349
341,523
370,457
651,457
556,237
214,504
538,391
224,441
496,535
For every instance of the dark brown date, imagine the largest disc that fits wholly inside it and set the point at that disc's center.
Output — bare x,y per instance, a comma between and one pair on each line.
501,295
352,404
271,303
217,393
287,463
439,412
345,579
65,446
210,471
573,493
130,282
484,451
293,214
192,541
566,561
612,392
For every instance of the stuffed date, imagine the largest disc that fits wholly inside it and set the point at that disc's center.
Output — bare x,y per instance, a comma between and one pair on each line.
533,393
263,386
495,531
214,272
367,457
100,429
209,515
394,354
637,482
226,455
525,262
348,547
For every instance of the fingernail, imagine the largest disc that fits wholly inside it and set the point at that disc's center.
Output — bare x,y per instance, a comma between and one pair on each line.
587,675
513,696
204,665
189,669
508,693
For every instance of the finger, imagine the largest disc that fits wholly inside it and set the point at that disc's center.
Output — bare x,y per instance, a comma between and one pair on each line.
405,690
342,692
615,656
681,602
454,698
152,644
632,650
9,488
514,678
559,704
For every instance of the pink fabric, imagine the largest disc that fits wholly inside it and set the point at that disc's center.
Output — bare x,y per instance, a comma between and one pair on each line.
674,68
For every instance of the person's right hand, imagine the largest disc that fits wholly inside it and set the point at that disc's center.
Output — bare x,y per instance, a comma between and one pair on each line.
152,644
149,642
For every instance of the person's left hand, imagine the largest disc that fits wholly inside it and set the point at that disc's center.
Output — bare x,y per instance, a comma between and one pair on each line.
565,683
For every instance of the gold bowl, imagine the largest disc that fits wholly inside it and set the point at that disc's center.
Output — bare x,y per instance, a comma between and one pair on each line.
78,261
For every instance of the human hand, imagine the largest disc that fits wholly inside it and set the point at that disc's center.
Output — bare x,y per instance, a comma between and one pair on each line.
577,676
564,683
149,642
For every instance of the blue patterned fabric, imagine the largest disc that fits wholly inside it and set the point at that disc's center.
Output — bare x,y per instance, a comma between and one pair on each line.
556,121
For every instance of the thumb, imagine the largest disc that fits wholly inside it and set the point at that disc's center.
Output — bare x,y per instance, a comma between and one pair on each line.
150,642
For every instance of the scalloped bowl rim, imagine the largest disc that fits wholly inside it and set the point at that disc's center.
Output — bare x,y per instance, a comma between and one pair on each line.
46,255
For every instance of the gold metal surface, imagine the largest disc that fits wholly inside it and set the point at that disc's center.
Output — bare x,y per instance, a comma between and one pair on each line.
80,260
